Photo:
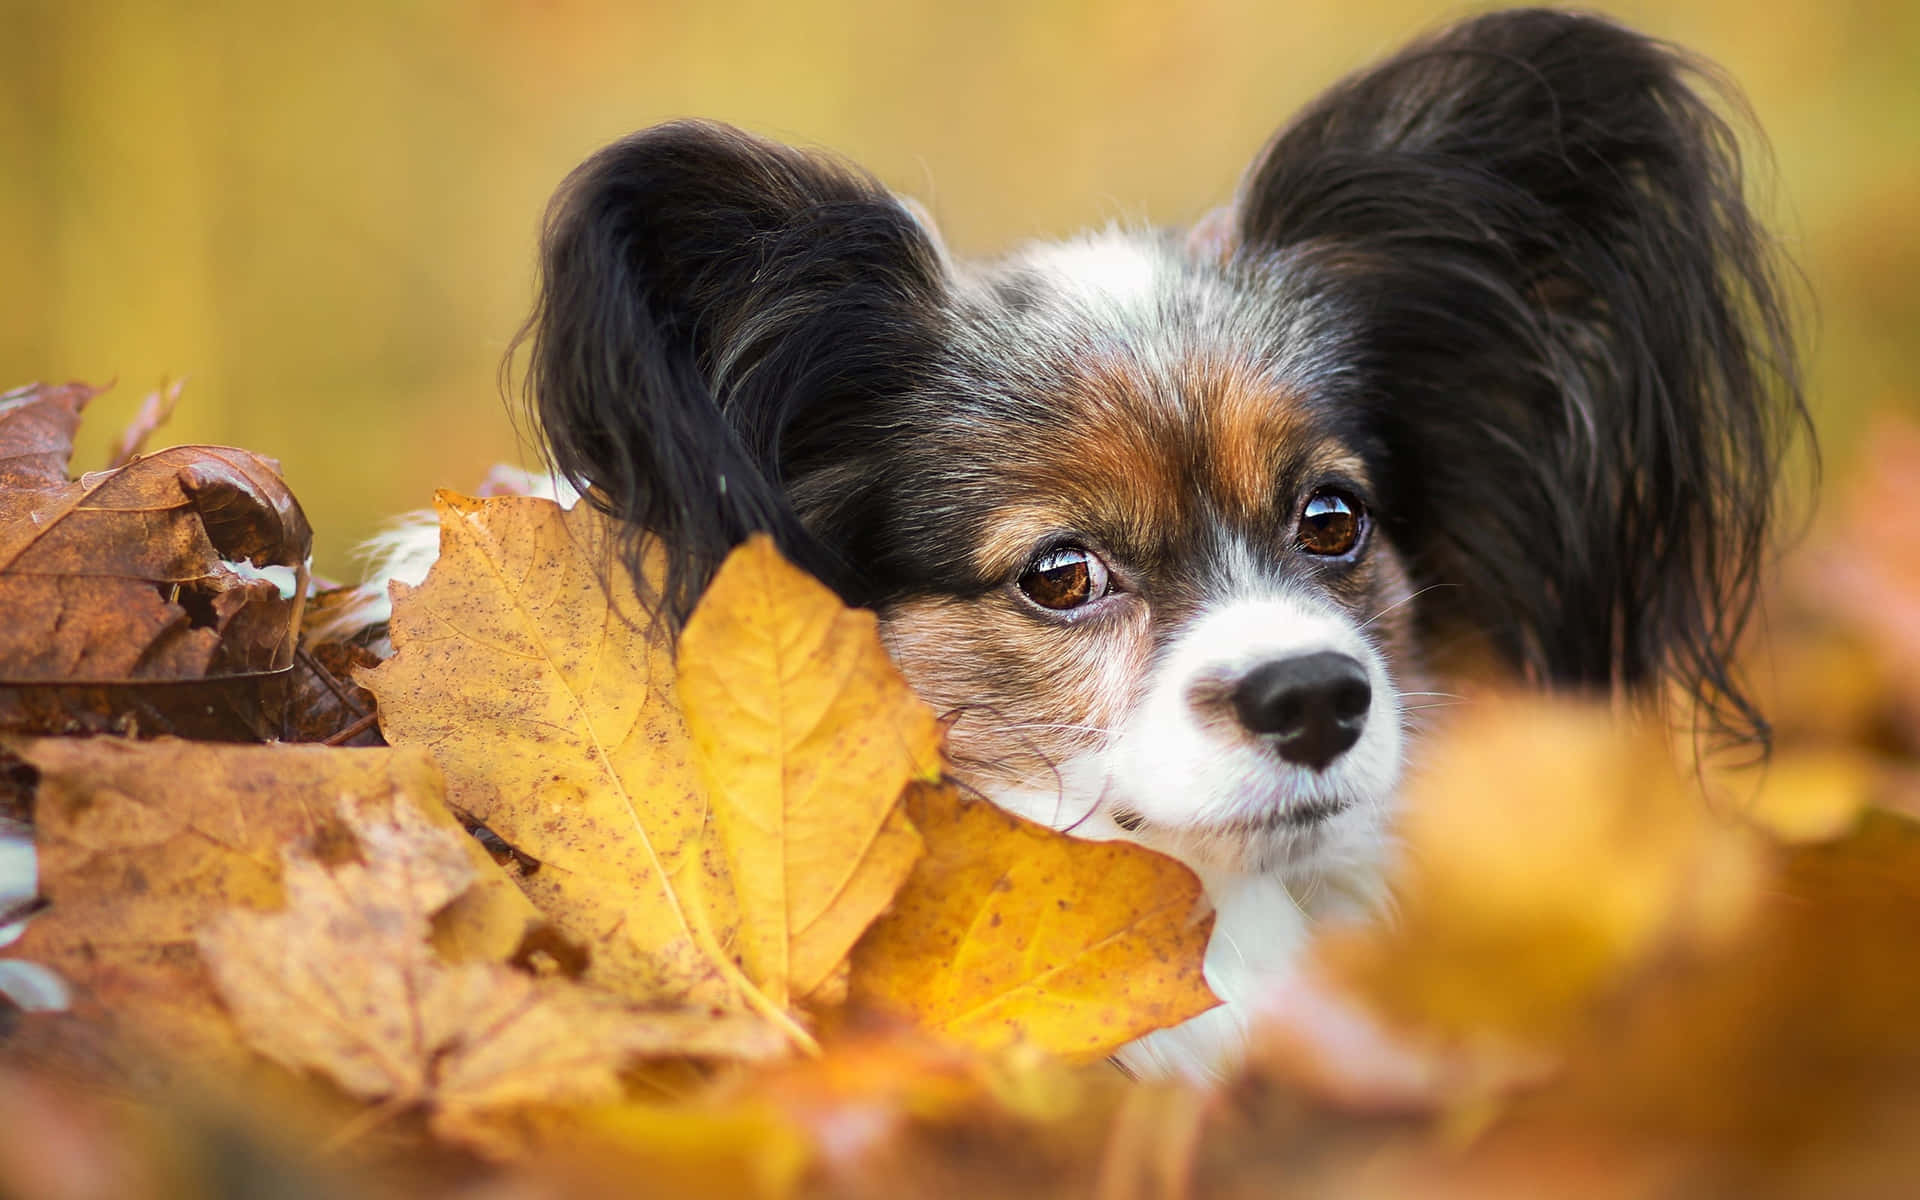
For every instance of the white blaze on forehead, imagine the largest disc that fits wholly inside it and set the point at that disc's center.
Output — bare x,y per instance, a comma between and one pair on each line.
1104,270
1237,636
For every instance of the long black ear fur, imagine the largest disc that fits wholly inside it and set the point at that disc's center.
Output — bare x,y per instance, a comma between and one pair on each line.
719,315
1575,339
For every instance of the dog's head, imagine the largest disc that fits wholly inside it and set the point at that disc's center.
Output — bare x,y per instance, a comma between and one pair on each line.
1488,350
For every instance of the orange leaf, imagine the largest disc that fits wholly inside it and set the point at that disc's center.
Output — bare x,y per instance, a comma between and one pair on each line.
1007,932
1550,851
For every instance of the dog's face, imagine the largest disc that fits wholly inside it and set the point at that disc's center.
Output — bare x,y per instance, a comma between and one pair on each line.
1488,348
1153,589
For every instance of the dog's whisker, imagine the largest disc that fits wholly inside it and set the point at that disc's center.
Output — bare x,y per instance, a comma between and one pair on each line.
1060,725
1404,600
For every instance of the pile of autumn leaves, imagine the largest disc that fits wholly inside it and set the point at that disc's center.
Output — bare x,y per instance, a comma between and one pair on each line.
707,853
708,914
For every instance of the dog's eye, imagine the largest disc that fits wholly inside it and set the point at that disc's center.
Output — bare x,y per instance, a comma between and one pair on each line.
1064,578
1331,523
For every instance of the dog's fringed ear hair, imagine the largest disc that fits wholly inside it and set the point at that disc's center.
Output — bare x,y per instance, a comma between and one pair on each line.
1574,337
717,316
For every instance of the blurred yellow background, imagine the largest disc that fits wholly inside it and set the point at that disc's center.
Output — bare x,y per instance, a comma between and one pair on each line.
325,215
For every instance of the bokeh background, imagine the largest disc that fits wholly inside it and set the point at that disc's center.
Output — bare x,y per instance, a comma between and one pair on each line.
325,215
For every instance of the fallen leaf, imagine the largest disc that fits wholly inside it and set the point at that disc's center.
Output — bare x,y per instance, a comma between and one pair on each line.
771,832
551,704
345,980
141,843
37,427
1008,933
326,705
125,574
804,733
224,708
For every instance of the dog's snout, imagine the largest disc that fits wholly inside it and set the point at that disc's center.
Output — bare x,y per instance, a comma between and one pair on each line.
1311,708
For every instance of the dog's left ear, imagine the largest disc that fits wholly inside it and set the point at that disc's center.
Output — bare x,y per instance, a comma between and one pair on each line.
1571,334
722,320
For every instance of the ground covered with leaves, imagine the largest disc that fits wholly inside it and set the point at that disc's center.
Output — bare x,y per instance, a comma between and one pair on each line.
549,904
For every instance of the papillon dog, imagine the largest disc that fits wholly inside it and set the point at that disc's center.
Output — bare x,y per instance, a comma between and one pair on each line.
1487,362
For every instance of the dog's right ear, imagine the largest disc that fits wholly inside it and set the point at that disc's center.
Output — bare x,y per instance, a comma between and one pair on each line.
719,317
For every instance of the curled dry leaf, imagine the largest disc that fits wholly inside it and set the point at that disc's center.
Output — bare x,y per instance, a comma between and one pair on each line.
124,574
1007,933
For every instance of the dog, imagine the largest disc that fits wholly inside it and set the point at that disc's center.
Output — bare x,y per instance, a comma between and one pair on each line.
1487,361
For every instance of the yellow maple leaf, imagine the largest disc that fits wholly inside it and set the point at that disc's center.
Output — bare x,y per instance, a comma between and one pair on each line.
527,665
771,835
1007,933
805,734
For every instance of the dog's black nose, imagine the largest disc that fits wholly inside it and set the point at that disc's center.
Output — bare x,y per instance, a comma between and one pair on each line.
1311,708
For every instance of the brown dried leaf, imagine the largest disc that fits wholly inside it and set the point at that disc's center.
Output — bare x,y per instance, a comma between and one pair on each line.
37,425
224,708
123,574
327,706
170,517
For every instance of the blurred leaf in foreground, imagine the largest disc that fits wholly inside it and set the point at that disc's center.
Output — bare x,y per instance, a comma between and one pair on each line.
1008,933
1550,850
